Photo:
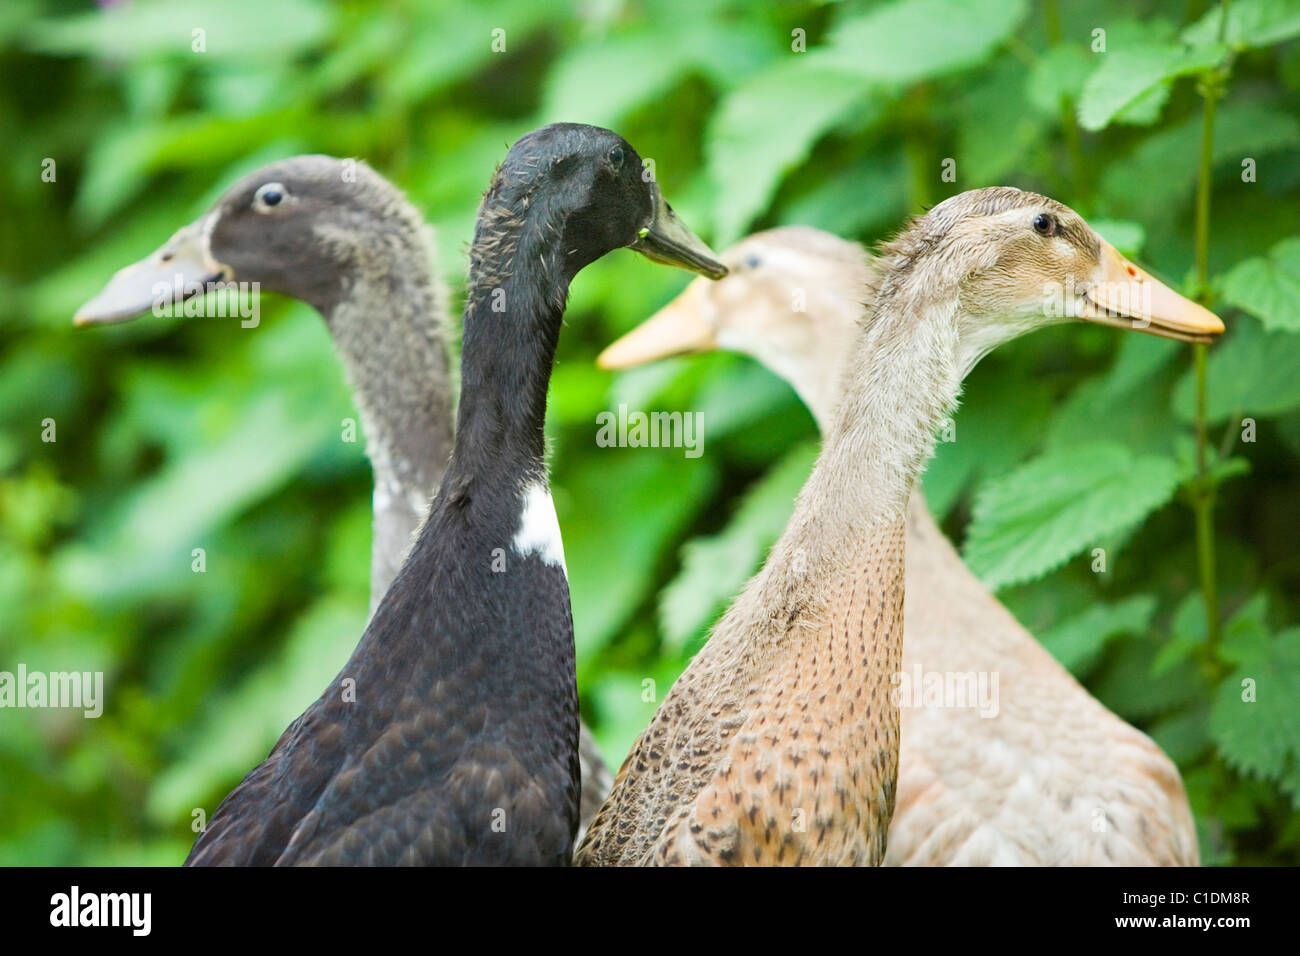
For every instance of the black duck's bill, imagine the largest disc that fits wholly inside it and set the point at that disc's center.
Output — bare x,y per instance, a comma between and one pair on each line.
181,268
1128,297
666,239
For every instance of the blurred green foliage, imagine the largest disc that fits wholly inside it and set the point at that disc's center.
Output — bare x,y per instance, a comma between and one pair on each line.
173,435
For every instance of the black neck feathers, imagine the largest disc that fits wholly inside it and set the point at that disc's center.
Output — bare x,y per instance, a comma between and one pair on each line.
519,283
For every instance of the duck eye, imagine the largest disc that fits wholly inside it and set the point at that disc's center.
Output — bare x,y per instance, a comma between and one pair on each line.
751,262
616,157
1044,224
268,196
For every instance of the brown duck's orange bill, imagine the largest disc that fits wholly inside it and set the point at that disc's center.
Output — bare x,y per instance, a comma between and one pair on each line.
1131,298
677,328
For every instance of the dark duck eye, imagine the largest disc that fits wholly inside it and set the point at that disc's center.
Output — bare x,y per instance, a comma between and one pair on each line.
1044,224
616,158
268,196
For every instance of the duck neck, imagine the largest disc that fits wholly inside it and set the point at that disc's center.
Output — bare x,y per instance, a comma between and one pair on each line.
818,392
389,333
518,287
899,382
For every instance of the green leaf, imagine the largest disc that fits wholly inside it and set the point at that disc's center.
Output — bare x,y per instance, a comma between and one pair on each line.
1253,719
999,424
600,82
1268,288
1125,75
739,395
1184,736
1146,109
1044,513
909,40
1252,373
715,568
603,80
228,447
767,126
1189,629
1060,72
1126,236
995,133
867,195
430,59
1157,179
1251,23
1078,642
247,29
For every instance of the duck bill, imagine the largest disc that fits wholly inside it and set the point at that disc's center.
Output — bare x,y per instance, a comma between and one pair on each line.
1128,297
666,239
182,267
676,329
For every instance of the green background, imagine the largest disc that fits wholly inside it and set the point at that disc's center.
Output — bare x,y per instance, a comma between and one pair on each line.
177,434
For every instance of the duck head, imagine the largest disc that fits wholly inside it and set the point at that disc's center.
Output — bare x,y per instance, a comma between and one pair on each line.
1009,261
306,227
1014,261
792,299
591,187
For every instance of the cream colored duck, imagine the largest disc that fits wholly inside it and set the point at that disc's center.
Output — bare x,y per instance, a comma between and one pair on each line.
780,742
1053,778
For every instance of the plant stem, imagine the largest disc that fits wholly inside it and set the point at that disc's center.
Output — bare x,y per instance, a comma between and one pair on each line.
1203,490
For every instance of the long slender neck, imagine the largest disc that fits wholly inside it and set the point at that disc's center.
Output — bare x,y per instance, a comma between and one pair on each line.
814,378
518,287
389,333
900,380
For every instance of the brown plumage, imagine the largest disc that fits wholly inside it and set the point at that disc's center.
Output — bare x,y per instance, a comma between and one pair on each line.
1053,778
779,744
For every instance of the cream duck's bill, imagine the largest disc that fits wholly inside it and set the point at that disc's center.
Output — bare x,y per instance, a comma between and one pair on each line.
1118,293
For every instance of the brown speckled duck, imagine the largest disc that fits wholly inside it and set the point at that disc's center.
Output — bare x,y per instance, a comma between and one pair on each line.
779,743
1051,778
